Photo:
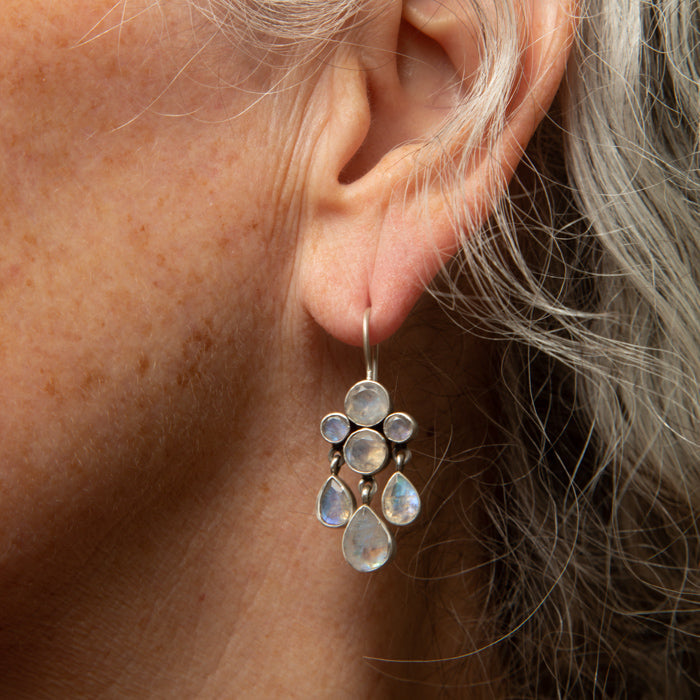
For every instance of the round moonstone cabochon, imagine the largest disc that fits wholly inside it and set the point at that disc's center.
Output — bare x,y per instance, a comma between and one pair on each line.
367,403
366,451
400,500
335,428
367,544
399,427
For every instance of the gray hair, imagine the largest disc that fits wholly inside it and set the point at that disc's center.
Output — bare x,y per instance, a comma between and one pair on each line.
585,280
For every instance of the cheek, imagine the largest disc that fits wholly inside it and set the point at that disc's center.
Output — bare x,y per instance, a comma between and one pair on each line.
133,247
122,227
117,357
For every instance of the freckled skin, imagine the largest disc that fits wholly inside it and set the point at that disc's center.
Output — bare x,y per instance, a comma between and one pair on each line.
161,382
125,239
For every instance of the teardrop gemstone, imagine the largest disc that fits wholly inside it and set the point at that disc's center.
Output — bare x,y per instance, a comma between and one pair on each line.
367,544
400,500
334,503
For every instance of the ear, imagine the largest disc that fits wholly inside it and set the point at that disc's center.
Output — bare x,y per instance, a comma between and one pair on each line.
369,239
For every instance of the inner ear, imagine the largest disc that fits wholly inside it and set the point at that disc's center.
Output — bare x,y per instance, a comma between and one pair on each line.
362,161
425,71
409,93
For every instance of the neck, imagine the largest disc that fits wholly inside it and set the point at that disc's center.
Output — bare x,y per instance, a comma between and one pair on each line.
220,582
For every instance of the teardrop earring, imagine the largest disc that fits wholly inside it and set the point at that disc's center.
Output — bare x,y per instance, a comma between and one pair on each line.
367,437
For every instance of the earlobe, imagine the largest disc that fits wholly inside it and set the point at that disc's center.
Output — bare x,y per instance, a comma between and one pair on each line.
375,233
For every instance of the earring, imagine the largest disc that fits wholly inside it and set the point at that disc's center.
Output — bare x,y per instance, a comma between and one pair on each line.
366,438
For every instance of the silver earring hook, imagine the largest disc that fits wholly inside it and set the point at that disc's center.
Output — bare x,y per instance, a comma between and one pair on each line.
371,353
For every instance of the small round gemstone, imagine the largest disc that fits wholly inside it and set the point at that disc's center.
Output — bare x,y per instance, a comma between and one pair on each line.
366,451
399,427
335,427
367,403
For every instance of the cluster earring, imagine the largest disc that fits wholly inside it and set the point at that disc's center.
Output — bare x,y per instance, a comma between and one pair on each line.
367,437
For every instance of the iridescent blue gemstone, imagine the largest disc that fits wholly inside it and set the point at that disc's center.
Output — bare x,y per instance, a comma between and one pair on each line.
399,427
400,500
335,503
335,428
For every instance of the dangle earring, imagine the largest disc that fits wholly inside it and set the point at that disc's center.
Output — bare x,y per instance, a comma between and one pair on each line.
366,437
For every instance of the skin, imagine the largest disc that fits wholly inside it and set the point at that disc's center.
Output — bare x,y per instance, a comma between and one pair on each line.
162,379
154,362
105,349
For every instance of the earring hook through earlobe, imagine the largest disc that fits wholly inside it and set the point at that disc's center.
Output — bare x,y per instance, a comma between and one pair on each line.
371,353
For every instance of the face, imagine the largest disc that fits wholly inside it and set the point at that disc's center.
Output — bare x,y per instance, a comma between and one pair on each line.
140,219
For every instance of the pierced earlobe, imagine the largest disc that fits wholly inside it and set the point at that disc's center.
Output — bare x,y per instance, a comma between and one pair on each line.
374,239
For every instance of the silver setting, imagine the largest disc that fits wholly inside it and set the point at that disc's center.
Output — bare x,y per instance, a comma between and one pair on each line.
336,459
399,427
401,457
367,543
335,427
371,353
367,489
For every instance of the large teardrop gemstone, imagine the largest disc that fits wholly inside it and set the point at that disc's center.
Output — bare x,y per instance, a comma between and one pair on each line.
367,544
399,427
334,503
400,500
